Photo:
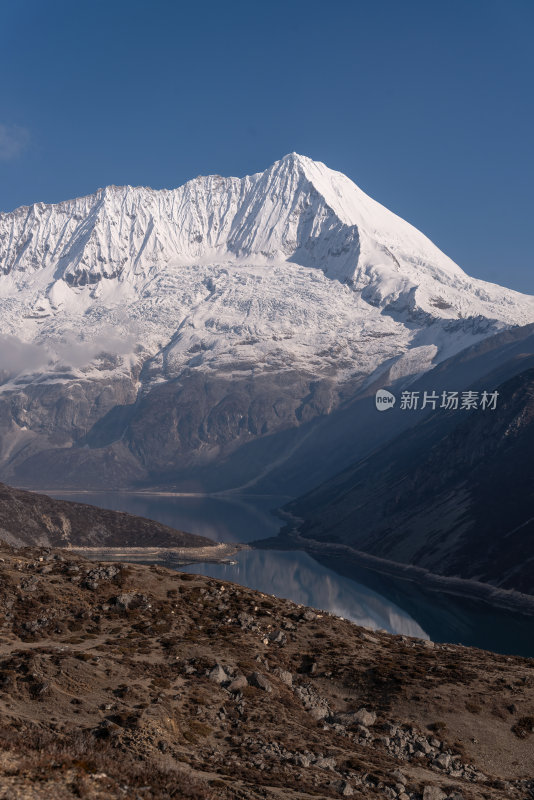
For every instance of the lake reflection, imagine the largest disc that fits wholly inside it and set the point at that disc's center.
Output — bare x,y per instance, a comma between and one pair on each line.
332,584
292,575
296,576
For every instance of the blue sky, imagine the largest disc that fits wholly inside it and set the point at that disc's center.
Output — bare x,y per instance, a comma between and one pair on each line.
428,106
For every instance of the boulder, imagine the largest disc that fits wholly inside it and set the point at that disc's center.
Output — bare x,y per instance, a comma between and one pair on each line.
285,676
238,683
433,793
278,637
361,717
398,776
218,675
260,682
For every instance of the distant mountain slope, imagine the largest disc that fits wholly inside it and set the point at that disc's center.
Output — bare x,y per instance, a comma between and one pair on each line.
327,445
147,335
35,519
455,494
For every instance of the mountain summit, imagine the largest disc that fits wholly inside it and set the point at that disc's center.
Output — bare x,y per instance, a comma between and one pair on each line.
298,210
265,300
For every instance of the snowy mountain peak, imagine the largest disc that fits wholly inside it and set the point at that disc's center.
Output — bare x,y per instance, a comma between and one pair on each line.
255,304
298,211
294,159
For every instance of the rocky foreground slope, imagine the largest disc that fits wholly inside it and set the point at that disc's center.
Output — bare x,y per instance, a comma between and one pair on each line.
138,682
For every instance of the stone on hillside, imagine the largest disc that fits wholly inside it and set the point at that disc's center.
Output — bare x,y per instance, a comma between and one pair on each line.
125,600
318,711
443,761
399,777
260,682
325,762
238,683
278,637
361,717
433,793
218,675
285,676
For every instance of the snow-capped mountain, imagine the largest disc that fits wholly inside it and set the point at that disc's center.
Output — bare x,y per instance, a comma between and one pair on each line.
259,303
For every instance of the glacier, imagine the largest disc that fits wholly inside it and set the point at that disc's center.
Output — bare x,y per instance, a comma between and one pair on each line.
288,290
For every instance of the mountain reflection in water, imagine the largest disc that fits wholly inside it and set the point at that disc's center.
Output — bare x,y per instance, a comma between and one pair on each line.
296,576
291,575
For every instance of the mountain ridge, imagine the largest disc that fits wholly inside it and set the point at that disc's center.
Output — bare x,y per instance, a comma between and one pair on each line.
290,180
29,519
281,293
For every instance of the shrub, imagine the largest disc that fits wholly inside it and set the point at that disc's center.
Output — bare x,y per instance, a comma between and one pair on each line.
473,708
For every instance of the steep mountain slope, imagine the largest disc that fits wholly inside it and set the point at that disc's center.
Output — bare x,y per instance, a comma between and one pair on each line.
34,519
453,495
148,334
330,444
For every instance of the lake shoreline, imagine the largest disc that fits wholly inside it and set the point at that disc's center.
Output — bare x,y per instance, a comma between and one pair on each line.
507,599
353,587
219,553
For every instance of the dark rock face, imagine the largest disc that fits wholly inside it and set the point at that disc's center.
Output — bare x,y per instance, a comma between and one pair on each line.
198,418
64,412
99,435
285,431
454,495
29,519
43,430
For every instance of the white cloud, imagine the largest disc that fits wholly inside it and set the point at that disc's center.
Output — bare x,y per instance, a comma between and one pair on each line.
78,353
13,140
17,356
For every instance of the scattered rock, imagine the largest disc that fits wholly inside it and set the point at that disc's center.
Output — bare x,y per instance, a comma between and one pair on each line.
365,717
312,702
433,793
443,761
238,683
285,676
101,573
361,717
301,760
260,682
245,620
218,675
124,600
398,776
278,637
324,762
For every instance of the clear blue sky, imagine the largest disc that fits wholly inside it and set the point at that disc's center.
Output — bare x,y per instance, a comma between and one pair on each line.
427,104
